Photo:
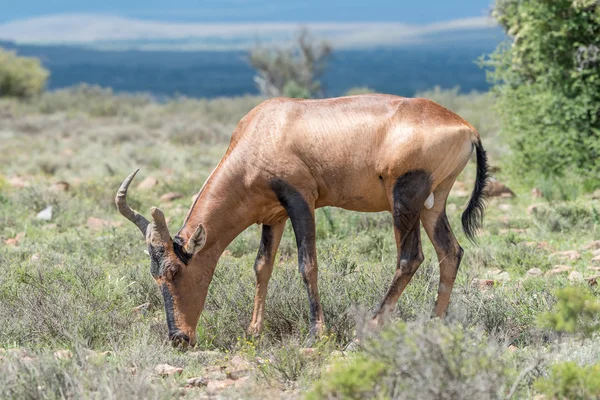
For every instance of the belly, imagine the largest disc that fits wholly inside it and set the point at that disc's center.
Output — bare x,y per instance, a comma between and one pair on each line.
355,193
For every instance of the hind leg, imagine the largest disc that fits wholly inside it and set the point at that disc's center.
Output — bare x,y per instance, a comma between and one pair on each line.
448,250
407,197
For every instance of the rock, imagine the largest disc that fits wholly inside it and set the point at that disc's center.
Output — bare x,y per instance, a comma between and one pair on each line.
538,245
167,370
575,276
592,268
142,309
148,183
16,240
98,224
216,386
36,257
596,253
512,348
45,214
197,382
237,367
559,269
596,194
593,280
505,207
534,272
537,193
593,245
495,188
533,208
59,187
18,182
483,283
167,197
596,259
63,355
503,277
567,255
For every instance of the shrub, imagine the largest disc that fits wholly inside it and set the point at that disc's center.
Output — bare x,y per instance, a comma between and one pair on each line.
571,381
547,82
421,360
21,76
576,311
292,71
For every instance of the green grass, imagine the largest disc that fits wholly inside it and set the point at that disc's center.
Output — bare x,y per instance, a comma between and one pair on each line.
68,286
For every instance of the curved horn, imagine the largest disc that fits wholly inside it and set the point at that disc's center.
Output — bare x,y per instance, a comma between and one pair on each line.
159,226
121,202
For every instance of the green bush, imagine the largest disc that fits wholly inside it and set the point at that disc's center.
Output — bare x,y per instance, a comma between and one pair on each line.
21,76
571,381
547,81
420,361
576,311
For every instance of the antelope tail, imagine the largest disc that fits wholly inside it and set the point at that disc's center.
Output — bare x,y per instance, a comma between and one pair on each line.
472,217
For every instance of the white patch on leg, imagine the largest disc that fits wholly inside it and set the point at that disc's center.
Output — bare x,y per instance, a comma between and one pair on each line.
429,202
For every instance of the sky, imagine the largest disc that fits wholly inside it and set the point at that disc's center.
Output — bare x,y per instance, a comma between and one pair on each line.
228,11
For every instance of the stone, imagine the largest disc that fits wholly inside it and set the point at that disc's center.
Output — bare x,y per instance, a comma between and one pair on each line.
45,214
534,272
596,194
197,382
483,283
575,276
167,370
567,255
505,207
592,268
16,240
559,269
17,182
142,309
593,245
148,183
495,188
596,259
537,193
36,257
59,187
512,348
503,277
171,196
216,386
596,253
99,224
63,355
538,245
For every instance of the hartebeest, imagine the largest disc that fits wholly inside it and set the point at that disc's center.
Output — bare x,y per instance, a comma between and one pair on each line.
288,157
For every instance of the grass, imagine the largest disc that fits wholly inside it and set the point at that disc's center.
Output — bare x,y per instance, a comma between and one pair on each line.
68,284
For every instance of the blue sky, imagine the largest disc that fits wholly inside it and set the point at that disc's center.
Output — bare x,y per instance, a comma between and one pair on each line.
407,11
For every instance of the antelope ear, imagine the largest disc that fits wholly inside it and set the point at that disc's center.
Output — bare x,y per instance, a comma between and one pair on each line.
197,241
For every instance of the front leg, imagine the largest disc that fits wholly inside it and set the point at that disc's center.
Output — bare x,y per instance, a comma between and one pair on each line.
302,214
263,267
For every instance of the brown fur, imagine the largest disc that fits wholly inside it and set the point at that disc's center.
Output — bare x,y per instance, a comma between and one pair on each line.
346,152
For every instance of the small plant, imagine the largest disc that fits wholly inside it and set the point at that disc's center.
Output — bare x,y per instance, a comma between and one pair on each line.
355,378
571,381
576,311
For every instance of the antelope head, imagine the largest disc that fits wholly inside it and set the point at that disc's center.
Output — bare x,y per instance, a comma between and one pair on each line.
183,288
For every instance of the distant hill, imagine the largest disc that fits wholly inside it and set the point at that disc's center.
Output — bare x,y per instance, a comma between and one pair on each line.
447,63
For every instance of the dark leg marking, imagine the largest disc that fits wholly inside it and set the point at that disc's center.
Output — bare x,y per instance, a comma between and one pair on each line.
266,246
303,223
409,193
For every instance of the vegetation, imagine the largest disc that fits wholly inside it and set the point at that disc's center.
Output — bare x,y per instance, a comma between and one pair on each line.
20,76
547,81
291,71
80,281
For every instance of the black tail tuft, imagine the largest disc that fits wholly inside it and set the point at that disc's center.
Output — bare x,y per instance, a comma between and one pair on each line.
472,218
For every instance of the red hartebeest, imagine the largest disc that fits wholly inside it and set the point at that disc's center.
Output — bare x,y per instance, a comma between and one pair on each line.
288,157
